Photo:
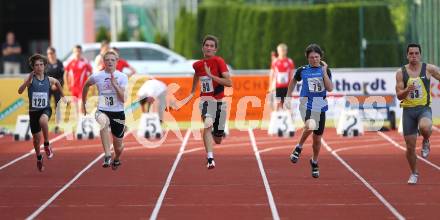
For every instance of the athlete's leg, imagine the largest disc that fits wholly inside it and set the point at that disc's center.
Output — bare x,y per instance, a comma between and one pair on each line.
104,124
411,156
44,119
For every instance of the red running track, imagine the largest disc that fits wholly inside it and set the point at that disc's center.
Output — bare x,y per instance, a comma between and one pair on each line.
235,189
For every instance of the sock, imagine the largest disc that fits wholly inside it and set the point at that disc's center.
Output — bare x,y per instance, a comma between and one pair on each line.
314,161
299,146
39,157
46,144
210,155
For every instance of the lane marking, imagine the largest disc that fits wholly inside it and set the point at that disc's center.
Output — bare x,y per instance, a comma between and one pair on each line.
395,144
53,140
67,185
170,176
273,207
371,188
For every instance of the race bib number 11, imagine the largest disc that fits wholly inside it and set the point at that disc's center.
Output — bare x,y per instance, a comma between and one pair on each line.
206,84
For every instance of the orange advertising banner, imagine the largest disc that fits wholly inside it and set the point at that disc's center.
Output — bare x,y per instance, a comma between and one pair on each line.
246,98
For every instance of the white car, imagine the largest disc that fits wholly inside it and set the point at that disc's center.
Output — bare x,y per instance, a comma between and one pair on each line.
146,58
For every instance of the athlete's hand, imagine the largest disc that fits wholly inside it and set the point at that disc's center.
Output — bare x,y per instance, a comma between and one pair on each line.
112,78
324,65
207,70
65,100
411,88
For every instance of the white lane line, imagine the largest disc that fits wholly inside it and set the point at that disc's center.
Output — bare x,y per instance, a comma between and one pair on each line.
371,188
67,185
436,128
59,137
273,207
388,138
170,176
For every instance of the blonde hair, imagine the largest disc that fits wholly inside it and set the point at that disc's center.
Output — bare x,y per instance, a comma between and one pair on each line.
112,52
282,46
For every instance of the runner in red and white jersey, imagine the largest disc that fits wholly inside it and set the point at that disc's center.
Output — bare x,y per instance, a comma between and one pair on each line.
213,75
77,72
281,73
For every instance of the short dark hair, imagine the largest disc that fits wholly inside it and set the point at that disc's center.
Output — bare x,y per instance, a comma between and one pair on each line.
34,58
78,47
314,48
210,37
51,49
414,45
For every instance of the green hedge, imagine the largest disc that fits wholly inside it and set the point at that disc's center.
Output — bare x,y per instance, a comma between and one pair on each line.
248,33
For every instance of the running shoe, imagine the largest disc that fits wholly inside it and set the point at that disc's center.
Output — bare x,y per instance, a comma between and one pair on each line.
40,166
426,148
116,164
315,169
210,164
48,150
295,154
107,161
413,178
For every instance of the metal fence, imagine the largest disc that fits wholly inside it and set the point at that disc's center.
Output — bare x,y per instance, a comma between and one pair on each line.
425,28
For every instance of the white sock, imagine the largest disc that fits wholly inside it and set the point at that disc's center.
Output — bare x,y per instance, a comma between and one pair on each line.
314,161
299,146
210,155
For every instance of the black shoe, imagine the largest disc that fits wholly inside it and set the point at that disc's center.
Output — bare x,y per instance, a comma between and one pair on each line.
40,165
295,154
116,164
315,169
210,164
107,161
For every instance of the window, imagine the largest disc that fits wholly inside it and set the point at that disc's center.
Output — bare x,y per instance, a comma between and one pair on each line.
128,53
153,55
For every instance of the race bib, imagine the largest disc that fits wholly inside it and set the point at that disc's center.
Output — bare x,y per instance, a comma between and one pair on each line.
315,84
282,78
417,93
109,100
39,99
206,84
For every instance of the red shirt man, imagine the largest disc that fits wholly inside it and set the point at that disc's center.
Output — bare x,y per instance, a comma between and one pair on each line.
209,87
78,71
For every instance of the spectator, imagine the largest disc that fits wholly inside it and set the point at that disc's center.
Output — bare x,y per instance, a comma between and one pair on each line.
98,65
77,72
11,51
122,64
55,69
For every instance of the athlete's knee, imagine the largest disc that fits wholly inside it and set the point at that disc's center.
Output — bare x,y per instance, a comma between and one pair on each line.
208,122
103,121
43,119
310,124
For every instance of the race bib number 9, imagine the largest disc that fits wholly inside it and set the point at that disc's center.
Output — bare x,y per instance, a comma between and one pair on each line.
206,84
39,100
282,78
315,84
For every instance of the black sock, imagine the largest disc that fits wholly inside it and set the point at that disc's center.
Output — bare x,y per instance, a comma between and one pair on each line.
39,157
46,144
